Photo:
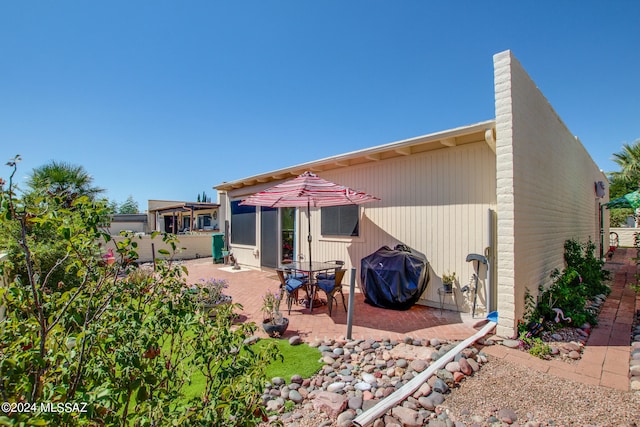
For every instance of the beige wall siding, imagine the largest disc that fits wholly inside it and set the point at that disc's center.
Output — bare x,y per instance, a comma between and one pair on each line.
435,202
545,189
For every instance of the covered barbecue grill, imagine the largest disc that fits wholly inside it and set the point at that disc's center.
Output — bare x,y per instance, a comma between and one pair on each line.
394,278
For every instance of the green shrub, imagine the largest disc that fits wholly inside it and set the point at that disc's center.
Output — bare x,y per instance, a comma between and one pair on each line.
581,280
582,258
536,347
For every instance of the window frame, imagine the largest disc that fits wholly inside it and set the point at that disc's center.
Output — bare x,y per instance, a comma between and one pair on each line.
243,228
348,218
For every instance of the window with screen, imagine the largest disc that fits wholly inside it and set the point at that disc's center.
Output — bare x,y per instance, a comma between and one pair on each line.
340,221
243,224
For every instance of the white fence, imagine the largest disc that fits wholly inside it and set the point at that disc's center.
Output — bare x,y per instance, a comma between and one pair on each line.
625,235
190,246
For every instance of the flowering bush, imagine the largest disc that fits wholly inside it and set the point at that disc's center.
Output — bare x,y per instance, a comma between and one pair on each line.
271,307
212,291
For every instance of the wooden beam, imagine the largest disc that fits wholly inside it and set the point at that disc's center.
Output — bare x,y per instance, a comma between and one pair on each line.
448,142
374,157
490,139
490,136
406,151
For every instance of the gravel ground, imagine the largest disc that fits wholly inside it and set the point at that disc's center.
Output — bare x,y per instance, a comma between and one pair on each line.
539,397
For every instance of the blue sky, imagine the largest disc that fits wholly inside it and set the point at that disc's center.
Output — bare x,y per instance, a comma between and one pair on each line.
164,99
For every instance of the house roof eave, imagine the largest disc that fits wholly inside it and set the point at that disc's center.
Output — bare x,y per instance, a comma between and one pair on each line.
443,139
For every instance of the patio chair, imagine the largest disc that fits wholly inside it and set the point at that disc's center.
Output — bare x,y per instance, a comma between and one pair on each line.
332,286
339,264
290,286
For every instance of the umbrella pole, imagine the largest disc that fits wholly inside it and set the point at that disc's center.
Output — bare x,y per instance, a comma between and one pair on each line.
313,289
309,231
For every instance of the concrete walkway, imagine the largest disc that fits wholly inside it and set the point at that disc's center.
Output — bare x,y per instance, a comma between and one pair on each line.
605,359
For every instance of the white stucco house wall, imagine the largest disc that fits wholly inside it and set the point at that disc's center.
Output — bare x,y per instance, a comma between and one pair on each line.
513,188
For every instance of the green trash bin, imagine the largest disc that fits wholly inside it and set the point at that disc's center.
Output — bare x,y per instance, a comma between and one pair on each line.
217,246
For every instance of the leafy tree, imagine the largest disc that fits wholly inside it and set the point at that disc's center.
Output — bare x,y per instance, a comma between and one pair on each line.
624,181
126,346
130,206
112,205
618,187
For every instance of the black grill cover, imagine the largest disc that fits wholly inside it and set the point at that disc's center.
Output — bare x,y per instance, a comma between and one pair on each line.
394,279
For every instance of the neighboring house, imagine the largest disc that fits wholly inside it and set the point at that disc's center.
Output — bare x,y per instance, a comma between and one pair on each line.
170,216
180,217
513,188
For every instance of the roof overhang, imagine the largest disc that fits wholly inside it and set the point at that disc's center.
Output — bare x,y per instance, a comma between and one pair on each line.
129,218
186,207
483,131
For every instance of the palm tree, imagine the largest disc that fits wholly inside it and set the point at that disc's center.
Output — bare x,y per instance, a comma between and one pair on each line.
63,179
629,161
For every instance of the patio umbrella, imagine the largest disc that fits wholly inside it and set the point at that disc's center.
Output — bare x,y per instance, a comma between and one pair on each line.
629,200
308,190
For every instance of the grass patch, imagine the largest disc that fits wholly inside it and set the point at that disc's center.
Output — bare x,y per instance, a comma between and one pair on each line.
298,359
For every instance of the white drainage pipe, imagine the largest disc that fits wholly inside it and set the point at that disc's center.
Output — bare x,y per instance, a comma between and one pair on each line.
409,388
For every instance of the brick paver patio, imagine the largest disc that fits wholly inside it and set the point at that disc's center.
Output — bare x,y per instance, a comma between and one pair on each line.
249,285
605,359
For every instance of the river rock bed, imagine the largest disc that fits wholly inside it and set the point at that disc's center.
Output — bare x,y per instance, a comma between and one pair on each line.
357,374
566,343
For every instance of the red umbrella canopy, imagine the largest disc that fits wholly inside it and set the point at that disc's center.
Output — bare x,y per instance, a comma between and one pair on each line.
308,189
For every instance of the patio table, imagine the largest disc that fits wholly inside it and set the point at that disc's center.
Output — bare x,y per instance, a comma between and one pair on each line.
310,269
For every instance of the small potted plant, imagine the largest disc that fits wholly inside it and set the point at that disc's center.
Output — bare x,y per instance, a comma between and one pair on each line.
447,281
211,294
273,323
